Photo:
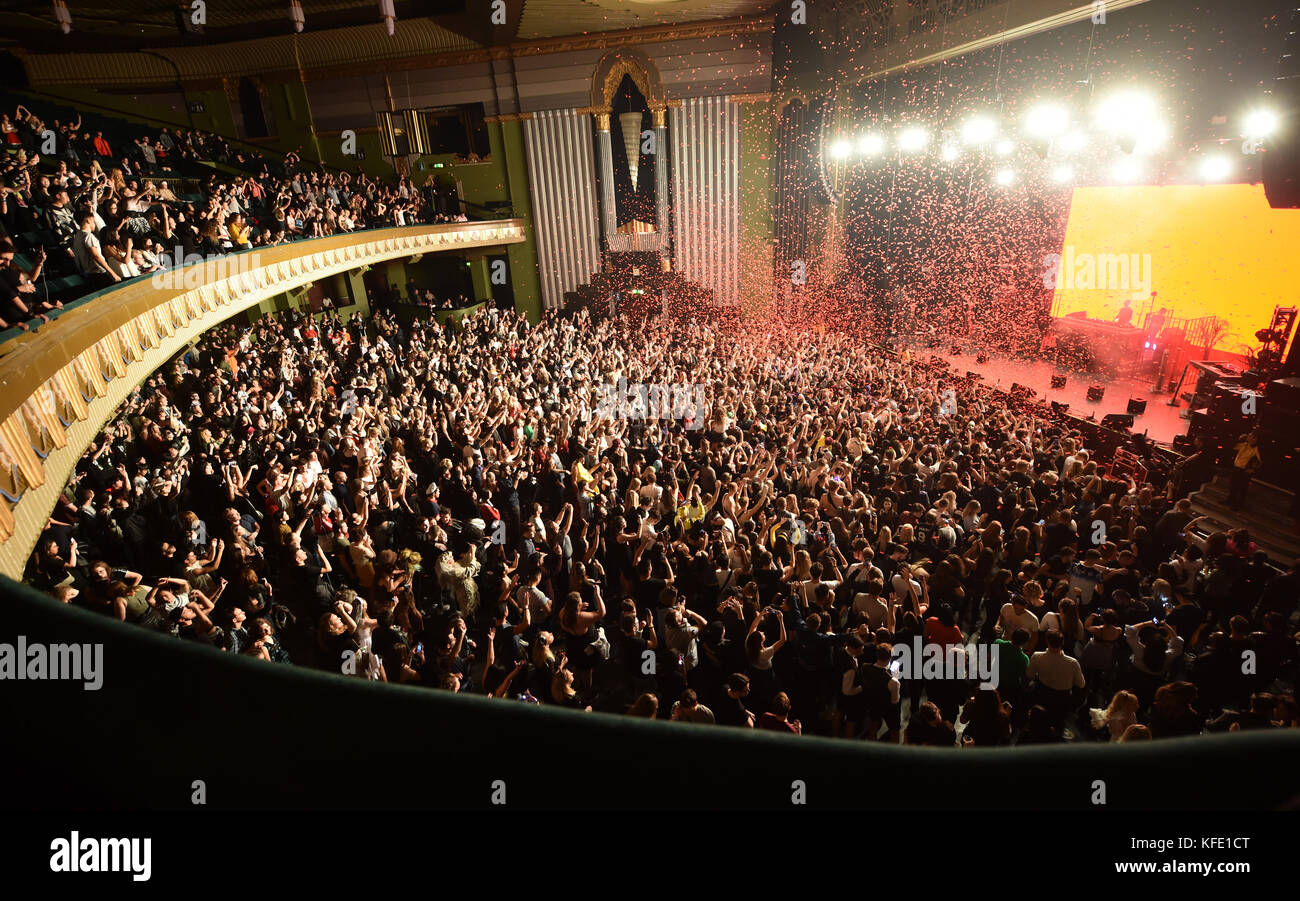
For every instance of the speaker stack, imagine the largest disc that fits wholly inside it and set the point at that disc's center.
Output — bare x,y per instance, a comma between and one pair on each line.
1137,405
1096,393
1058,381
1280,168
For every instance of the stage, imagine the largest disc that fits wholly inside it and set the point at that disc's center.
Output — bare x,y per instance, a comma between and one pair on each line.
1160,422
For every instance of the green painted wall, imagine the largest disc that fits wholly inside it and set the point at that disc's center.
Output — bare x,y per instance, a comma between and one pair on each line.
757,198
525,280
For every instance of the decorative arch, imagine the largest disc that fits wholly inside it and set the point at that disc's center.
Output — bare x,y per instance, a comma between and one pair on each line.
632,63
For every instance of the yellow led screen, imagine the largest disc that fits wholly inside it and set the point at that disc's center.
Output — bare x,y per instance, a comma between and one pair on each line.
1204,250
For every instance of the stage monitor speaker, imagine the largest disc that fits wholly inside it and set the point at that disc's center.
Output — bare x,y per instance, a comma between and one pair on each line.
1121,422
1096,393
1022,390
973,376
1058,381
1058,407
1183,444
981,358
1281,421
1137,405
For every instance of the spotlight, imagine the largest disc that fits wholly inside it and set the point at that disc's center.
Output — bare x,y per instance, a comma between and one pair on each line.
1148,138
1127,169
978,130
1005,177
949,152
913,138
1004,148
1047,120
1062,174
1131,117
870,145
1124,112
1215,168
1073,141
839,150
1260,124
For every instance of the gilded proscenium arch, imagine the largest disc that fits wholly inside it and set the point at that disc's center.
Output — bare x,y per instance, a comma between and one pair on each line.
61,385
609,74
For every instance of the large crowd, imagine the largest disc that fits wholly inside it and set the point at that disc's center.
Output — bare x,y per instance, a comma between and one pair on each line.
463,508
104,214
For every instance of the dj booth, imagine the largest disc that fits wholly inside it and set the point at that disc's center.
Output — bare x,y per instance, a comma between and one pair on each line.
1104,346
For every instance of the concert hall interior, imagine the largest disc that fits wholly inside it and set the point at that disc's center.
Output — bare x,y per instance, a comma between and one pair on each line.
421,394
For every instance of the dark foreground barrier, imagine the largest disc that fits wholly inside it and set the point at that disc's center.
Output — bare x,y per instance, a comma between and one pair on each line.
263,736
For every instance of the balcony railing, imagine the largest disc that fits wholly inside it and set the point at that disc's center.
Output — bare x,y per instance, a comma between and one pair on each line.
58,386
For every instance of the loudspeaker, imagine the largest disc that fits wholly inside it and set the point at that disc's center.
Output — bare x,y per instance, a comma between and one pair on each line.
1058,407
1137,405
1280,168
1280,421
1058,381
981,358
1023,390
973,376
1096,393
1117,421
1183,444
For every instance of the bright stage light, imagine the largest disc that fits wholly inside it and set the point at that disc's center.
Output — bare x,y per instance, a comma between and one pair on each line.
1260,124
1005,177
1062,174
949,152
913,138
1125,112
1048,120
1005,148
870,145
978,130
1149,138
1215,168
1073,141
1127,169
839,150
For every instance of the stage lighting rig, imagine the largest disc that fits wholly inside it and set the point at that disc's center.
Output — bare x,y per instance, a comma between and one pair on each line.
1215,168
978,130
870,144
913,138
1259,124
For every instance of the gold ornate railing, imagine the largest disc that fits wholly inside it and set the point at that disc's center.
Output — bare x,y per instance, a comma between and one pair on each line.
62,383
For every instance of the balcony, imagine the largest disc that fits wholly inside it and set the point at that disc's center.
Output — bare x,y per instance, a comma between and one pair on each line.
61,383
